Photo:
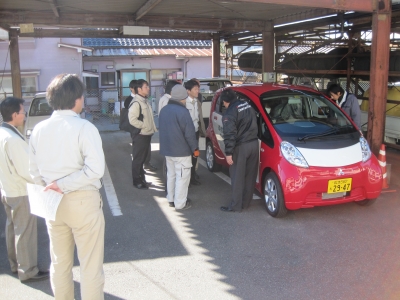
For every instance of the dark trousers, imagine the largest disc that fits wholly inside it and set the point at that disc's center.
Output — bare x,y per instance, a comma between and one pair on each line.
140,147
194,159
243,174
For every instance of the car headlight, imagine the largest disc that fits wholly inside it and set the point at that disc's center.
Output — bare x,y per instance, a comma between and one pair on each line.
28,133
292,155
365,151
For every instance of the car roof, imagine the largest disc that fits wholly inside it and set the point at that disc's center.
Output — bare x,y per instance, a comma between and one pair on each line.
261,88
211,79
40,95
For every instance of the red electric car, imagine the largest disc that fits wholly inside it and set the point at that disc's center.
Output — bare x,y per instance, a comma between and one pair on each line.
311,153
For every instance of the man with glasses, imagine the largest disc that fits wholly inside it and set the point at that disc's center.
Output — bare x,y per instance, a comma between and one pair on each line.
21,225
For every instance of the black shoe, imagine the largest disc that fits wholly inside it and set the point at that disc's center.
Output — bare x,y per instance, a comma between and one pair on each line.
227,209
196,176
187,205
41,275
150,167
171,204
147,183
140,186
194,181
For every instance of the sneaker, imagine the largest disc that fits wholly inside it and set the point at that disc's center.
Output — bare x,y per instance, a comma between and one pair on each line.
187,205
171,204
194,181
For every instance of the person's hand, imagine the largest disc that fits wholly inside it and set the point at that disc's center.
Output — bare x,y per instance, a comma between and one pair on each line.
196,153
53,186
229,160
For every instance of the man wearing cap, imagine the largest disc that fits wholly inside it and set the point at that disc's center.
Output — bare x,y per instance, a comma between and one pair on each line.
241,149
178,144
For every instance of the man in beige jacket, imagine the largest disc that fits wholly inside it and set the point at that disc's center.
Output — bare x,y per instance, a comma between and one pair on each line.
141,116
21,225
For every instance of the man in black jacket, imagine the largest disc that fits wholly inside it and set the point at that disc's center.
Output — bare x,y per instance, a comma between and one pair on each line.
241,149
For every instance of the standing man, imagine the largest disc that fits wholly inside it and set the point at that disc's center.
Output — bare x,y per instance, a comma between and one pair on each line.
165,98
141,116
348,102
129,99
241,149
178,144
21,226
194,107
66,155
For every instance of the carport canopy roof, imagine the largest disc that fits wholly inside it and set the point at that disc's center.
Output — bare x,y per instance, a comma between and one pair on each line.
194,19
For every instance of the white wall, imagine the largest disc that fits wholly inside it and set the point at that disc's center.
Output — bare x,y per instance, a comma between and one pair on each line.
44,55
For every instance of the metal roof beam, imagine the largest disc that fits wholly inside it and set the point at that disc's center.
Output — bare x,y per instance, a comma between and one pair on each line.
53,5
68,33
356,5
145,8
116,20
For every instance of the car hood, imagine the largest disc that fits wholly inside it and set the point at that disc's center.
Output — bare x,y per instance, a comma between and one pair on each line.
338,157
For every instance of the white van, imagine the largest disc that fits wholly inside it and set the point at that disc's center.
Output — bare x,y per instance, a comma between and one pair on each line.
39,110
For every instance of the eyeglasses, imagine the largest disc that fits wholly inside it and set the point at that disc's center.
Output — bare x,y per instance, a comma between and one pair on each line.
22,113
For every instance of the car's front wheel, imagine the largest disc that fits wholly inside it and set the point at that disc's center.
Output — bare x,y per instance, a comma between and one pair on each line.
273,196
366,202
210,157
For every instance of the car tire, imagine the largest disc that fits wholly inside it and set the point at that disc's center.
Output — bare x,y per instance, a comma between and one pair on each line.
273,196
366,202
210,158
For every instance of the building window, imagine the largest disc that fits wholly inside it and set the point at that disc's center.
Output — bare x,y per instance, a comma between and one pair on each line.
92,83
28,86
107,78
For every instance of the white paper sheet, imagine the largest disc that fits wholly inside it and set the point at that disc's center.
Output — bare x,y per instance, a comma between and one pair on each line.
43,204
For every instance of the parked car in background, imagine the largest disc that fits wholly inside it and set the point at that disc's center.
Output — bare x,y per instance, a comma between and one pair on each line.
311,153
39,110
208,87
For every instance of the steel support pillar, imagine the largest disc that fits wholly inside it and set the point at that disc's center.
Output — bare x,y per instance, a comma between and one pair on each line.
14,61
268,47
381,20
216,56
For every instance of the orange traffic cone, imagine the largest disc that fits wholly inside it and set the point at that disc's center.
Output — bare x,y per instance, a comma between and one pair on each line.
382,162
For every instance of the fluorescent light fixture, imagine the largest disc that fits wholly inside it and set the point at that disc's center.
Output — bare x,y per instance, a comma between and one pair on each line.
110,66
303,21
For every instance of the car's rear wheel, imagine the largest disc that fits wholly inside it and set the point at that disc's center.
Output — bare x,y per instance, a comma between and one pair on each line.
210,158
273,196
366,202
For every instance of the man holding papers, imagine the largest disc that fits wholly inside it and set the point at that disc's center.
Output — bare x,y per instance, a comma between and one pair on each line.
21,226
66,156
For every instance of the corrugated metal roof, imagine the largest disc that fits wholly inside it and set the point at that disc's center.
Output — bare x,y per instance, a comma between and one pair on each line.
178,52
131,42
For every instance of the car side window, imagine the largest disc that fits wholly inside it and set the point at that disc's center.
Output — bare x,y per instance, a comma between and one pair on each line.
264,134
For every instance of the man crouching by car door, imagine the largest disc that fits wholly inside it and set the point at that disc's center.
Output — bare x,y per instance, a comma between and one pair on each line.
241,149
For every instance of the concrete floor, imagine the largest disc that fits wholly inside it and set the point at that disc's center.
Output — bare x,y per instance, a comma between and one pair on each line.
153,252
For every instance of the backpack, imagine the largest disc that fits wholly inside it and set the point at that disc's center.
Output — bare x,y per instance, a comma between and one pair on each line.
124,123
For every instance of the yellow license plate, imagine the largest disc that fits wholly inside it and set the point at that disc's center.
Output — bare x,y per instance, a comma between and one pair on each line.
339,185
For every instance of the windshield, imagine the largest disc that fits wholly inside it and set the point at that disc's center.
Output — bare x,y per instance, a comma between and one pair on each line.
304,115
40,107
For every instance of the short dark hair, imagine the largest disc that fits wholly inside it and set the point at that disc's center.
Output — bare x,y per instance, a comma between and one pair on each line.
191,84
334,88
132,84
228,95
170,85
139,84
63,90
9,106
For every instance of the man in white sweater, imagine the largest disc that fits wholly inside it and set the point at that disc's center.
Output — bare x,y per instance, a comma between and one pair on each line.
66,155
21,225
